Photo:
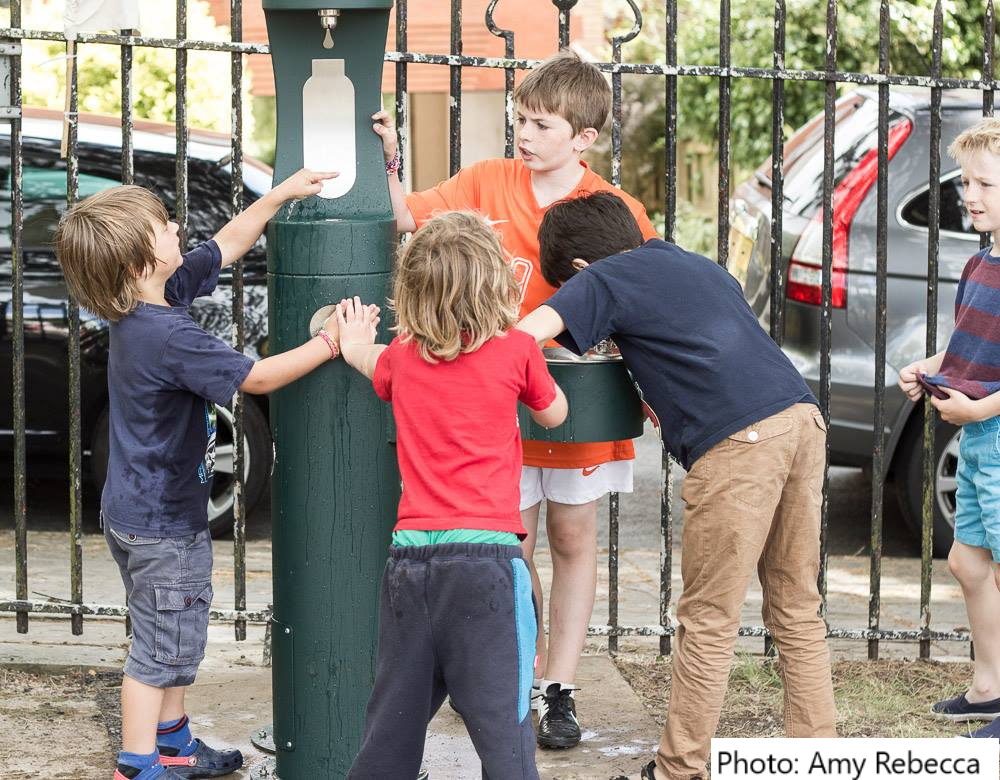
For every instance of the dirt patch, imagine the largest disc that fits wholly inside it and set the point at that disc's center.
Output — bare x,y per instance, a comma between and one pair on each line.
53,724
874,699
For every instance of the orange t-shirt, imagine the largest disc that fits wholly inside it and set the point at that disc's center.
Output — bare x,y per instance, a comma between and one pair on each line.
501,191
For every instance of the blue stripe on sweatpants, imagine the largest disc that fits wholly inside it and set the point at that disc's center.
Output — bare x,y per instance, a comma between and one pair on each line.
527,635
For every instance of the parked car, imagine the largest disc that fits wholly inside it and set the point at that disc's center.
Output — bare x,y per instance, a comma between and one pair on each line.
854,260
45,298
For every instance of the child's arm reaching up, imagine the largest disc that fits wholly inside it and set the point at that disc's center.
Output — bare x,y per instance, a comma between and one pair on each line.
242,232
357,324
385,128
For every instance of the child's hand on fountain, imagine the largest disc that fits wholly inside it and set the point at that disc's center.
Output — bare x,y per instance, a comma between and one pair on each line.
235,239
302,184
358,323
385,128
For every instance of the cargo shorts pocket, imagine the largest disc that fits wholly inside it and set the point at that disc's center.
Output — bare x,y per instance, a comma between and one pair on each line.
182,622
757,467
134,540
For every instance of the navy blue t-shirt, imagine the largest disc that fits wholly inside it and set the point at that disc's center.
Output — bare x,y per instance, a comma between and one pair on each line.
164,373
704,364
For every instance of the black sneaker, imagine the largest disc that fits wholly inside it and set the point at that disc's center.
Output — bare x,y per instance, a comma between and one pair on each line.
557,723
649,773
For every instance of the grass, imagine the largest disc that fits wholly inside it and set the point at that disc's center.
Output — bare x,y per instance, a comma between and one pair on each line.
874,698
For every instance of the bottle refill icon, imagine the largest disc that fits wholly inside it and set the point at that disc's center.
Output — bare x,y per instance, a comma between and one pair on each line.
328,126
335,484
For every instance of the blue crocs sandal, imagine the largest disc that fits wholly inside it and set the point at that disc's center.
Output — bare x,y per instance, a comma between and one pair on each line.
203,762
961,709
992,731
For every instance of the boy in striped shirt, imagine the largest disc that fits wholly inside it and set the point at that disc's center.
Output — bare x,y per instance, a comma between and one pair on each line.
964,383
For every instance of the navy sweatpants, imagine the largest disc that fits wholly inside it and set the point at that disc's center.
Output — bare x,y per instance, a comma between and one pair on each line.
457,620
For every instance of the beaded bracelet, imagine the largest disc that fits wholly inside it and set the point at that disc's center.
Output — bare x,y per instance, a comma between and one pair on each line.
334,349
392,166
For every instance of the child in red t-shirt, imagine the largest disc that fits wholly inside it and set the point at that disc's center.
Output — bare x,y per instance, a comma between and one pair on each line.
455,615
560,108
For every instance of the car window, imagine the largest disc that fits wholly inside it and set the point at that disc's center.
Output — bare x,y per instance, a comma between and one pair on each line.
44,188
953,215
50,184
855,134
806,137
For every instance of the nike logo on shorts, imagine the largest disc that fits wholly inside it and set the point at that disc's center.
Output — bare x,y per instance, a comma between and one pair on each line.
588,472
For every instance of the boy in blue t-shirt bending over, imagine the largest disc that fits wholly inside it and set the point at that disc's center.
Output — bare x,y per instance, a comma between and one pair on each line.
121,258
738,416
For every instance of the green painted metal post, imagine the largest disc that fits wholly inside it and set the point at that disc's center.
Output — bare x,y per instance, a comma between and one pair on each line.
335,485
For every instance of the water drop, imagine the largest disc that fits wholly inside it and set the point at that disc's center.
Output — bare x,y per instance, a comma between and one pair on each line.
328,40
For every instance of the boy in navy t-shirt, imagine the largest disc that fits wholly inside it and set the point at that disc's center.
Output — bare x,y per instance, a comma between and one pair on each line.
120,256
738,416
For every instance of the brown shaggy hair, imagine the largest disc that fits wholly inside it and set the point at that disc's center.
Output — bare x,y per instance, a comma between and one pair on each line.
569,87
105,243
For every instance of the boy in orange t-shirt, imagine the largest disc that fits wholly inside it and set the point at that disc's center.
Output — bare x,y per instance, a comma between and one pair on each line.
561,106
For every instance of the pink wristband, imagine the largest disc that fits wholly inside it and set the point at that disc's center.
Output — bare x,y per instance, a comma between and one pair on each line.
334,349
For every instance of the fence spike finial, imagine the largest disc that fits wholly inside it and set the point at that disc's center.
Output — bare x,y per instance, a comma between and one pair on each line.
508,88
618,40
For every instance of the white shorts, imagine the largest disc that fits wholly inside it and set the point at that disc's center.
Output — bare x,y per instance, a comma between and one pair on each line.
574,486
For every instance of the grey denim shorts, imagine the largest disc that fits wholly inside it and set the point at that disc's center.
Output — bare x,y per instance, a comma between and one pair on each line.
168,589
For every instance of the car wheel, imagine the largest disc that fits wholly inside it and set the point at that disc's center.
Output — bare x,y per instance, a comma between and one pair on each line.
258,453
909,479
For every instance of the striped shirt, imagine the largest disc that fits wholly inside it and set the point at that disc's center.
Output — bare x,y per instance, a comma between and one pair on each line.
971,363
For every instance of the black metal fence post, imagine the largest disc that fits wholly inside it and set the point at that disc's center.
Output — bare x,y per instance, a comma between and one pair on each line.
878,455
455,60
933,241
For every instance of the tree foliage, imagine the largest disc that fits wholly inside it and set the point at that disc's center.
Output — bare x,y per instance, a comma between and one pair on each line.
154,82
752,45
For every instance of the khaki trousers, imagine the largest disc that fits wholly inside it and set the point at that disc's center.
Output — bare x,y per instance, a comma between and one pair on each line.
753,502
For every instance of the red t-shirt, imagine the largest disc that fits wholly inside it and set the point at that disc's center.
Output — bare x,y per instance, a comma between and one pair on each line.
501,191
457,437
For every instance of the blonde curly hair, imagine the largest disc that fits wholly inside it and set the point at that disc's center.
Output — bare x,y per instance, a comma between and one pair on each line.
453,290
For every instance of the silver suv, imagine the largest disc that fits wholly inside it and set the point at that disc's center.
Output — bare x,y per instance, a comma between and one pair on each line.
853,357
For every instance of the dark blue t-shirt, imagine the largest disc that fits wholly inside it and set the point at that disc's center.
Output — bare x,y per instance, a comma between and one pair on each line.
164,373
704,364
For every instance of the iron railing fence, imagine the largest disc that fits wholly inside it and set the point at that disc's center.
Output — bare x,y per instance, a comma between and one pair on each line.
670,70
